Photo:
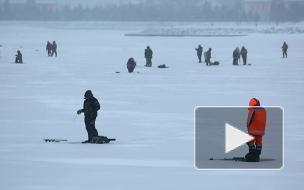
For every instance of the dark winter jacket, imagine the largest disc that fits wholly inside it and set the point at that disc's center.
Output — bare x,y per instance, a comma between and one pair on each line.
90,106
131,64
236,54
49,46
285,47
199,50
208,54
244,51
148,53
54,46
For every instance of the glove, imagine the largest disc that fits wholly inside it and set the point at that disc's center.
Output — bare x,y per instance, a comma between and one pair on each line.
79,111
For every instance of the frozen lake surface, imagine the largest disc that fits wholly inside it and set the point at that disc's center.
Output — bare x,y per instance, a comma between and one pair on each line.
149,112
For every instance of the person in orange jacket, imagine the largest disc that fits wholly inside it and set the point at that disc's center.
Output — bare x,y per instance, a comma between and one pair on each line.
256,125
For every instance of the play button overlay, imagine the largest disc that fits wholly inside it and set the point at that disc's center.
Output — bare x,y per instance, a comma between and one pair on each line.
222,136
235,138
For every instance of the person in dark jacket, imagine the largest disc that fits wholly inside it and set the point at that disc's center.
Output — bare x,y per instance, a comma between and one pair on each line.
131,64
18,57
236,56
284,49
244,53
49,48
208,57
148,56
90,108
199,52
54,49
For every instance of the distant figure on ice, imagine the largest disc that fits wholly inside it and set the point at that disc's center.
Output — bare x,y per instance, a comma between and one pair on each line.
199,52
256,125
207,55
244,53
54,49
90,108
236,56
49,48
18,57
284,49
148,56
131,64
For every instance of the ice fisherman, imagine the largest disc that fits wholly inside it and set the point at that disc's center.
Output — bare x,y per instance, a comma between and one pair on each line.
199,52
148,56
54,49
207,55
236,56
18,58
284,49
131,64
49,48
90,109
256,126
244,53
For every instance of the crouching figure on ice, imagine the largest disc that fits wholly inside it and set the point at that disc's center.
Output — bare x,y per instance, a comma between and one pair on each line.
90,108
256,125
131,64
18,57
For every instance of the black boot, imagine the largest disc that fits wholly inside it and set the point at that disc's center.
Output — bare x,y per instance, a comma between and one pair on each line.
259,149
253,155
87,141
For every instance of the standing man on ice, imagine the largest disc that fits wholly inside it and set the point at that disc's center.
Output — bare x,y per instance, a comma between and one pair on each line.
284,49
208,57
244,53
49,48
54,49
236,56
256,125
148,56
90,108
199,52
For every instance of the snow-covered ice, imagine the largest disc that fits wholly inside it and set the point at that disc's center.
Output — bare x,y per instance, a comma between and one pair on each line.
149,112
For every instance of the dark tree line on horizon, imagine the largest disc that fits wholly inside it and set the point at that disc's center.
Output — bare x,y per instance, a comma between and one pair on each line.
166,11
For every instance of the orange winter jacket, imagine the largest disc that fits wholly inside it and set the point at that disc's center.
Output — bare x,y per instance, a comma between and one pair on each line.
256,121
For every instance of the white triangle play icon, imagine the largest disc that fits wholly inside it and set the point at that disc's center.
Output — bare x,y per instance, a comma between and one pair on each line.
235,138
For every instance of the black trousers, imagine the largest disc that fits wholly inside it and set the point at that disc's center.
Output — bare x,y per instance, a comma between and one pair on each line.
284,54
90,127
54,51
244,57
199,58
235,61
148,62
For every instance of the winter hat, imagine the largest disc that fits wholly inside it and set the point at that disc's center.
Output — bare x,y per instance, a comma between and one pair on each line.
88,94
254,102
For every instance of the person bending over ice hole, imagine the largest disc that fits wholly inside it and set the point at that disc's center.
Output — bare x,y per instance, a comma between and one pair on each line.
18,57
256,125
90,108
199,52
131,64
